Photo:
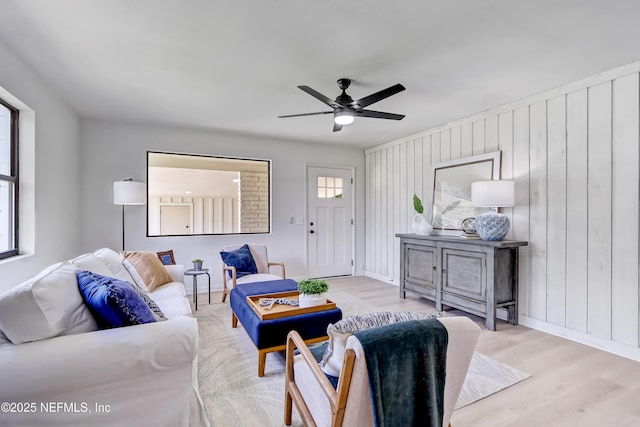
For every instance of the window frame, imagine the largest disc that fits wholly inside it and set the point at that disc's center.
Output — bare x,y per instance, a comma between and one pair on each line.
13,177
269,171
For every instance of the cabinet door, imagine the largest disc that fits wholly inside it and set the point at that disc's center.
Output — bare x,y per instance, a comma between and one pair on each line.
420,266
464,273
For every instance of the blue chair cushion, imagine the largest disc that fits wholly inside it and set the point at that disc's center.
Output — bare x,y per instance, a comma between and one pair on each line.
112,302
273,332
242,260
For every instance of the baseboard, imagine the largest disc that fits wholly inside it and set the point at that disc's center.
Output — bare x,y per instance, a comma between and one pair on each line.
381,278
203,286
623,350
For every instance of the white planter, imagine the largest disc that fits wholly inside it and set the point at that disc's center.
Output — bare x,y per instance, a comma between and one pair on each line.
311,300
420,225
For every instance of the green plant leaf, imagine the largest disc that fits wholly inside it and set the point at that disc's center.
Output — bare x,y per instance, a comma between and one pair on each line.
417,204
313,286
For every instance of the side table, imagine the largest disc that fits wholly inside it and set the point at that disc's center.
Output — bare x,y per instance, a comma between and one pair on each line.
195,274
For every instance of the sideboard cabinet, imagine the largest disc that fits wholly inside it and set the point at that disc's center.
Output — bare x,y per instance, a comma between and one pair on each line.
476,276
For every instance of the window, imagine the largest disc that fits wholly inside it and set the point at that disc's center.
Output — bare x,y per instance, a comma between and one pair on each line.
8,180
329,187
191,194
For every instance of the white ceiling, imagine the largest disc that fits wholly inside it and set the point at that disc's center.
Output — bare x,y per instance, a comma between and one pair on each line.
234,65
192,182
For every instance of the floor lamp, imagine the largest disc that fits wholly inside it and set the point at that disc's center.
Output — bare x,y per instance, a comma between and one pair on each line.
128,192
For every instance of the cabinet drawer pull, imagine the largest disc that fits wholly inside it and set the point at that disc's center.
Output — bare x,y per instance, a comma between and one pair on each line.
444,271
434,268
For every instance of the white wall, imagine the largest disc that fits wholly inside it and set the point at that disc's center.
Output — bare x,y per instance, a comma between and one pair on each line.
574,155
113,151
49,176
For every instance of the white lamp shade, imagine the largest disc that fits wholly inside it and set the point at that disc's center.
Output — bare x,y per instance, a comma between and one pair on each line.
495,194
129,193
344,117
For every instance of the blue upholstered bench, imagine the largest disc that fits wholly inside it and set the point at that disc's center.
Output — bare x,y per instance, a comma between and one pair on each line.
271,335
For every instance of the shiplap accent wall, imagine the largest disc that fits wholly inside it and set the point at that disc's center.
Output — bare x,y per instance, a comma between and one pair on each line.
574,155
209,215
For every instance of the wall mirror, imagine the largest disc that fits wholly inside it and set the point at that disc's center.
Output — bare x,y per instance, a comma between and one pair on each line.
451,184
190,194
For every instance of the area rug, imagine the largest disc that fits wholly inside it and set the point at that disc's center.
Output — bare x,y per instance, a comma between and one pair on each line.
234,395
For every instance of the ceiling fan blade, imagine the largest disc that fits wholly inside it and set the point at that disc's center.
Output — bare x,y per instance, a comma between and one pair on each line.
305,114
336,127
330,102
379,96
379,115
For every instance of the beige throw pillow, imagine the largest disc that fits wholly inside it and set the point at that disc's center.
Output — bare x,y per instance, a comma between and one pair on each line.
333,356
146,269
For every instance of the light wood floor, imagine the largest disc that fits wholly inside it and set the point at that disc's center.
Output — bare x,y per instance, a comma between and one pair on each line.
570,385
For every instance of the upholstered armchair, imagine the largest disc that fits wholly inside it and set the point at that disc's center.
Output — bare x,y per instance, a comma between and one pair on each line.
231,277
349,404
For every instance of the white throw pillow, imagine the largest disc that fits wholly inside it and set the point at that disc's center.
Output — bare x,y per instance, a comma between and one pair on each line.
91,263
113,260
333,356
45,306
137,279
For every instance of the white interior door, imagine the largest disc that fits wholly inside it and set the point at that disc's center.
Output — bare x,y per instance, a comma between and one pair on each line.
175,220
330,221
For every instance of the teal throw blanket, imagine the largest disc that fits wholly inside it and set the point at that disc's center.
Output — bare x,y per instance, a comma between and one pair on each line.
406,363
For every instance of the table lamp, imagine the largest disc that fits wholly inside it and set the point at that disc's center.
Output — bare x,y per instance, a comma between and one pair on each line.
492,194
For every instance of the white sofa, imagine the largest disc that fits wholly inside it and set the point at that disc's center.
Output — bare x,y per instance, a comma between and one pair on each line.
58,369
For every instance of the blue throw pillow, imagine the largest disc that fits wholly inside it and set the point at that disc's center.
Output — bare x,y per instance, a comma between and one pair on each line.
165,259
113,303
242,260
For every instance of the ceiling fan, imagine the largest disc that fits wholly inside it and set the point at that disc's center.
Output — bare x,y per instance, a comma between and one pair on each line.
345,109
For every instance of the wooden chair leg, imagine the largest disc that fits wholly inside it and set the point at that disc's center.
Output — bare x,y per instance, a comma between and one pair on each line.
234,320
288,407
225,290
262,359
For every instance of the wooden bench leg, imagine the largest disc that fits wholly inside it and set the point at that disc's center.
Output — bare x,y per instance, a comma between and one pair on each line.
262,358
234,320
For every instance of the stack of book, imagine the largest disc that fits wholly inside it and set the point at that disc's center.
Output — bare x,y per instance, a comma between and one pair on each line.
469,236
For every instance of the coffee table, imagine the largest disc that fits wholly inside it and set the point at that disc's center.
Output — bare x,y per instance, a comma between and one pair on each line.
269,335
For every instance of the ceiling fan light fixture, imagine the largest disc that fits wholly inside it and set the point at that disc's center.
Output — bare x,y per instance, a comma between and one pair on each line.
344,117
344,108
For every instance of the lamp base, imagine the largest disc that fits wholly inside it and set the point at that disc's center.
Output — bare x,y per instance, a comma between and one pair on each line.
492,226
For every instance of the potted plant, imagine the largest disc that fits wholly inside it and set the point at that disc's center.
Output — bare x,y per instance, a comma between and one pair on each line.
312,292
420,225
197,264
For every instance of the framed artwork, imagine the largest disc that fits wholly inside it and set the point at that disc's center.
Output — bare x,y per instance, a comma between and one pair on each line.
451,184
166,257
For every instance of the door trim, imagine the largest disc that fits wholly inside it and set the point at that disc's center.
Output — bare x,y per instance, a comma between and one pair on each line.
351,169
